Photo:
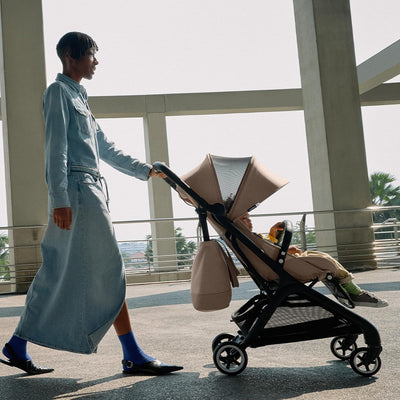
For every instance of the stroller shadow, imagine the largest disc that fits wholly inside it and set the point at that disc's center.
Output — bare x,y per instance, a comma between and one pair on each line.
271,383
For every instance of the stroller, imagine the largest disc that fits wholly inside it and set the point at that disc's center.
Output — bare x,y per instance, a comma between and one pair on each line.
288,308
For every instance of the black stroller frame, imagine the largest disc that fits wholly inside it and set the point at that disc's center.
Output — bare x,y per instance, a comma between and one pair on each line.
284,311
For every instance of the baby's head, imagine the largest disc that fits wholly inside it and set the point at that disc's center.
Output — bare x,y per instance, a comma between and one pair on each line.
245,218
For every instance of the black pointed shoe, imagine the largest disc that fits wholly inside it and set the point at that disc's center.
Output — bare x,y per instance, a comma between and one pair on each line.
155,367
26,365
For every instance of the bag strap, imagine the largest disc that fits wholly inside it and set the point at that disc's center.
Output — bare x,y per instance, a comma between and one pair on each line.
233,271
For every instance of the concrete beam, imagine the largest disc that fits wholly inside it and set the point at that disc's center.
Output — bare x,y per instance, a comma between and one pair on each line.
118,106
379,68
234,102
197,103
224,102
385,94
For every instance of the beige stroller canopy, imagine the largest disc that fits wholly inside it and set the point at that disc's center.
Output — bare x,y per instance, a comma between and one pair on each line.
240,184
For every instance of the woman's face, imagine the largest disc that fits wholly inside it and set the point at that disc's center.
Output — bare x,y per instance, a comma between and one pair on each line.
84,67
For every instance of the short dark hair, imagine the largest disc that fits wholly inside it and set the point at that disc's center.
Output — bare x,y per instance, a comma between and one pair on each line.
76,43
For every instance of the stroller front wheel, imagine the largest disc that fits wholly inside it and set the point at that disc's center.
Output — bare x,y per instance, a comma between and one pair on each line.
361,366
230,358
342,347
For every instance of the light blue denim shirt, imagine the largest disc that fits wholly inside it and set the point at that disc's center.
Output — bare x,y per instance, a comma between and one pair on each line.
75,139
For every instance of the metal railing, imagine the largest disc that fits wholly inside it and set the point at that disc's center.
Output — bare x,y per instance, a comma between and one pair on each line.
141,266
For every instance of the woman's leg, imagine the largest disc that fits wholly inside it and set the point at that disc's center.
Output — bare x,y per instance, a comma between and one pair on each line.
122,323
132,351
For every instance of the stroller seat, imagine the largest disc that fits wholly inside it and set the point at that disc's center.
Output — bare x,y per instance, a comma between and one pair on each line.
304,269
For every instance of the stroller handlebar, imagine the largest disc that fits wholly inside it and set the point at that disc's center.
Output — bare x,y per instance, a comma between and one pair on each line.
174,181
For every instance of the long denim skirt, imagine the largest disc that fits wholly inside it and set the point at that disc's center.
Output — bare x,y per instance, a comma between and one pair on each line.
80,288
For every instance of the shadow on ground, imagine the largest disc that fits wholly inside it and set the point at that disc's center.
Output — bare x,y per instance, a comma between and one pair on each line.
263,383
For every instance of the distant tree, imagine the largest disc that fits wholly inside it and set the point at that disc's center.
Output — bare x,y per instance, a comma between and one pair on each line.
309,235
4,258
384,193
184,248
149,249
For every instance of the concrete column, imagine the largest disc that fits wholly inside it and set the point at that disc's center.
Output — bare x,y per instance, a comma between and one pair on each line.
337,159
164,249
23,81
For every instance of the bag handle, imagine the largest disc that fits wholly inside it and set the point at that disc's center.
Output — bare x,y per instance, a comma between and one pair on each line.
233,271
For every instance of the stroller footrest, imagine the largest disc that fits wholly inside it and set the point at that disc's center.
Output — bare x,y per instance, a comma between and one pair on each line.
336,289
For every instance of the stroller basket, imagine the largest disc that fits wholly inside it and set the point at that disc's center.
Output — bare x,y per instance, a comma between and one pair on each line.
295,310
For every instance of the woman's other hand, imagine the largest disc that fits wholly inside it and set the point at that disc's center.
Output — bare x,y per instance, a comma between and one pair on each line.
62,217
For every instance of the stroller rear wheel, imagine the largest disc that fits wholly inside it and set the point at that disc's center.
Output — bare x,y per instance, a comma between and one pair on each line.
230,358
222,337
343,346
359,363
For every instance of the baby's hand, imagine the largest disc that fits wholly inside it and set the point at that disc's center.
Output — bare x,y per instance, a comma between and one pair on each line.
276,230
294,250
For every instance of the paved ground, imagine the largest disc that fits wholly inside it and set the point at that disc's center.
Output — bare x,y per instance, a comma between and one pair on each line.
168,327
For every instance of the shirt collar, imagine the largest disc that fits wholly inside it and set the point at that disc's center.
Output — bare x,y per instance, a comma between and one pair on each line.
72,84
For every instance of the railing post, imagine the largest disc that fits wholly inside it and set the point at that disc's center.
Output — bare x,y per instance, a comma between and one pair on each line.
303,237
396,237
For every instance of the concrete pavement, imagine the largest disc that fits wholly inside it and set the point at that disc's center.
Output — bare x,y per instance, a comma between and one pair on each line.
168,327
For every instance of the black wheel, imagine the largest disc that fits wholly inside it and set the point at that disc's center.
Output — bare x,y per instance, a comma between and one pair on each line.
222,337
359,365
230,358
342,347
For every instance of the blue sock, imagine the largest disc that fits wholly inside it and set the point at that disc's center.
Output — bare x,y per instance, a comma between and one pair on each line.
132,351
19,347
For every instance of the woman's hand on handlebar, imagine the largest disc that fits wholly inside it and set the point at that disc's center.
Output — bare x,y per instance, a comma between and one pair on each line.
153,173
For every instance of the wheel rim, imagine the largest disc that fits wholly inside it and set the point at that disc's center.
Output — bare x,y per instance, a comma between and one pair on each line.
230,358
342,350
362,367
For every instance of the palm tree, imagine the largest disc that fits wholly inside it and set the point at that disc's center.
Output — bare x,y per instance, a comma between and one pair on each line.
4,269
382,190
384,193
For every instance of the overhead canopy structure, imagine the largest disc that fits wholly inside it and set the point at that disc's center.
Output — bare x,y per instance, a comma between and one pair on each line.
323,20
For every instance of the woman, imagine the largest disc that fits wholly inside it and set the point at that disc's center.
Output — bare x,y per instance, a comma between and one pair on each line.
79,291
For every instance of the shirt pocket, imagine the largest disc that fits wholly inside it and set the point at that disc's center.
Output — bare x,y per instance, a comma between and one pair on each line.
88,179
83,117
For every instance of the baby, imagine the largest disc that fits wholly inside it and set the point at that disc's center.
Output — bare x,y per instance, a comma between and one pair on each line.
358,296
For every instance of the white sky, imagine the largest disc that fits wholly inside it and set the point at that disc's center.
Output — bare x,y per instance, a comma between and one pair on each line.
177,46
